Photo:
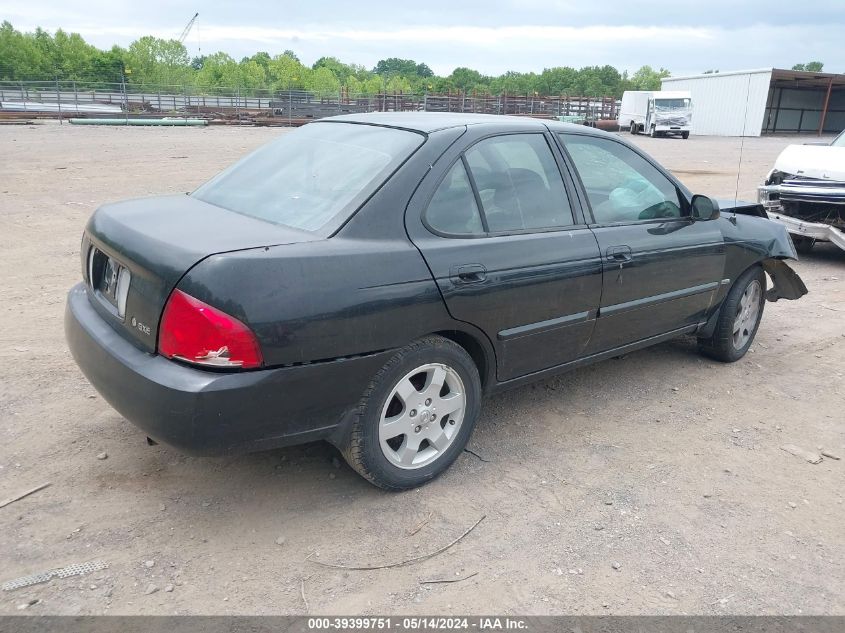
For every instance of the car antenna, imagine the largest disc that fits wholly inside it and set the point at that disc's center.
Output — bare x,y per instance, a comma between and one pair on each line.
741,147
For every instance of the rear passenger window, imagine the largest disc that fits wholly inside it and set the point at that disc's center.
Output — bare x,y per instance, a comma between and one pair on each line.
519,183
453,209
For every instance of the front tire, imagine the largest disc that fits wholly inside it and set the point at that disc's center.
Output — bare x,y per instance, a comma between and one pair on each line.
633,128
739,318
684,135
652,132
416,416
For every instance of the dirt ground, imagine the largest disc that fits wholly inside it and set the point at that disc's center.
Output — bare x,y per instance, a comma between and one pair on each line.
651,484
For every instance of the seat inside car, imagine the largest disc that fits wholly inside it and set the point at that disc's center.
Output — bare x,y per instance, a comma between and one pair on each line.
521,201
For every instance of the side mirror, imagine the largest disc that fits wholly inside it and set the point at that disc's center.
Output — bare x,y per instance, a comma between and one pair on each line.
704,208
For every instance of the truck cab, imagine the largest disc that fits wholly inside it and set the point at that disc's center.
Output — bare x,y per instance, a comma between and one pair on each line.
656,113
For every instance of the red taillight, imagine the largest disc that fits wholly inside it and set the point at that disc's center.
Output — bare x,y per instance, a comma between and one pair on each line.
193,331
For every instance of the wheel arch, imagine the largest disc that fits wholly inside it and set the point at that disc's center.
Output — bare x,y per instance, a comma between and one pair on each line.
786,284
479,349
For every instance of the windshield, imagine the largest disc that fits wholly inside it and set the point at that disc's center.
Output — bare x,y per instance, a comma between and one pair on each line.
839,141
312,177
671,104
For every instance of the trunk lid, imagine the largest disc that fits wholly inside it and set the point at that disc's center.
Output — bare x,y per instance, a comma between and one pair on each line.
157,240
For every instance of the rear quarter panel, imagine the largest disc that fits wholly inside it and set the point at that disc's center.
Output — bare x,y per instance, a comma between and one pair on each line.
325,300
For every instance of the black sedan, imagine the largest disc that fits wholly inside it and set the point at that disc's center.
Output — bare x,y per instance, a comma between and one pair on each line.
367,279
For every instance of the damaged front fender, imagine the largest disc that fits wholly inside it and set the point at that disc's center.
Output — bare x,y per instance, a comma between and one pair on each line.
786,284
771,245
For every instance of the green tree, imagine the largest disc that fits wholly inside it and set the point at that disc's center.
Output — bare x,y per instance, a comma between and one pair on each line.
813,67
424,71
286,72
42,56
337,67
373,86
324,82
354,87
646,78
151,60
557,81
107,66
395,66
219,70
251,76
465,79
398,84
515,83
262,59
19,58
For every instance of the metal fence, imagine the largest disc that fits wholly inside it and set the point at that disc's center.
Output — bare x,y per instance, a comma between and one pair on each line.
69,98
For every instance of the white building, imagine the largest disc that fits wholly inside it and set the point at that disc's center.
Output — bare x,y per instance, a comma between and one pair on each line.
764,101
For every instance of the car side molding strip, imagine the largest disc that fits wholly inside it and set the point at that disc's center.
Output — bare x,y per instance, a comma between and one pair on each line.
588,360
666,296
542,326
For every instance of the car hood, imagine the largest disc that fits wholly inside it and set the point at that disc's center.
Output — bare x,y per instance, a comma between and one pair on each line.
813,161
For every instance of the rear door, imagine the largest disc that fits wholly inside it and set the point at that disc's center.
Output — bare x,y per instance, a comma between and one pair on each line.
661,269
509,249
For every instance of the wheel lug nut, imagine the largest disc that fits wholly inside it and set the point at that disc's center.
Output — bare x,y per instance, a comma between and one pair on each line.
452,422
417,429
413,412
428,401
433,417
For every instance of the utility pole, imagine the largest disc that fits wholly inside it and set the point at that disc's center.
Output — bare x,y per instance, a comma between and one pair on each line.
59,100
125,97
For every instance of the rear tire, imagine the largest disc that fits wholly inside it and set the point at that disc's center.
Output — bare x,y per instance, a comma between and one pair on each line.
652,132
739,318
416,416
633,128
803,244
684,135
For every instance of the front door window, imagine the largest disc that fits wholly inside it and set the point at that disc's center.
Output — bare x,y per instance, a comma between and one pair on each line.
621,185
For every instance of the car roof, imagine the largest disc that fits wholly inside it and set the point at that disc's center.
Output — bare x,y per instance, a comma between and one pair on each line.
427,122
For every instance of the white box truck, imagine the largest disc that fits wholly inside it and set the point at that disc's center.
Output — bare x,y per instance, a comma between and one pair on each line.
656,112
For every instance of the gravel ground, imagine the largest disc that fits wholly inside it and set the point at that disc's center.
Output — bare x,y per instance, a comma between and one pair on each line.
650,484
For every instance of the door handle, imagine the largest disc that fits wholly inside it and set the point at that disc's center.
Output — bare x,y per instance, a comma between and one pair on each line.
468,274
619,254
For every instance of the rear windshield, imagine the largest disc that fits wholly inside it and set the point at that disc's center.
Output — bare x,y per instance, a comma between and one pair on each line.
312,178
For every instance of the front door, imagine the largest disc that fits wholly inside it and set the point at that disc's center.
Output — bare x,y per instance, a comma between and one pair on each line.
661,269
509,251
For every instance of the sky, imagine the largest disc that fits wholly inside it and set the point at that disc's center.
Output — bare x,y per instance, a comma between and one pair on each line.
685,36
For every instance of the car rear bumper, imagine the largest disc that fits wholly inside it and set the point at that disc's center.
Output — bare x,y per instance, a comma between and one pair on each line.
204,412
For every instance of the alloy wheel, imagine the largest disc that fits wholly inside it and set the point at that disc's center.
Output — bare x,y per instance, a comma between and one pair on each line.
747,312
422,416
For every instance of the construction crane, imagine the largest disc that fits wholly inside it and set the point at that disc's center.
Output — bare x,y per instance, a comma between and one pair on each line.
187,28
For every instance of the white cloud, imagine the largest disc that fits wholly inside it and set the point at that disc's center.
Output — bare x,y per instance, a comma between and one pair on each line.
492,37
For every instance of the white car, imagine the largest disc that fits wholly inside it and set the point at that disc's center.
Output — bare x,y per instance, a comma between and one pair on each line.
806,193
